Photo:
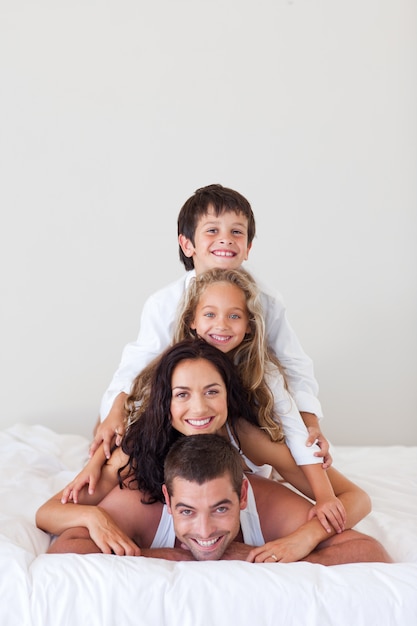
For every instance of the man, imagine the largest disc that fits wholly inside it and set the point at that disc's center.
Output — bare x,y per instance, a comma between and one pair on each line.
213,512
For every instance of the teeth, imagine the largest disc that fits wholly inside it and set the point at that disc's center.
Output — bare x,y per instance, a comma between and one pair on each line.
206,544
221,338
199,422
223,253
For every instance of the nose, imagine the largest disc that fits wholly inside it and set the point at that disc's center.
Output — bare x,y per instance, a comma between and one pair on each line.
222,322
225,238
206,527
199,405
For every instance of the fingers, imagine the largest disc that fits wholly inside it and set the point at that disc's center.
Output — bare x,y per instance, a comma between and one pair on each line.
333,517
106,446
261,555
66,494
119,545
95,444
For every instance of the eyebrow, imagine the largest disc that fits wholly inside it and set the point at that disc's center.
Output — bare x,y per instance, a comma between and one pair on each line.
214,306
184,387
212,506
215,222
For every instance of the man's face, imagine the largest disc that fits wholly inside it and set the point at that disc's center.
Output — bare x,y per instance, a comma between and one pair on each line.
206,517
220,241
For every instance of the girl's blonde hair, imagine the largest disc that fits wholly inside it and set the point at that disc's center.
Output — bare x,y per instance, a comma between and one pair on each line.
252,357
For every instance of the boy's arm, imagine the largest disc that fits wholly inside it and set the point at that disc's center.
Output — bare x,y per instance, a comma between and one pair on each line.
89,475
302,431
298,366
156,331
113,426
316,436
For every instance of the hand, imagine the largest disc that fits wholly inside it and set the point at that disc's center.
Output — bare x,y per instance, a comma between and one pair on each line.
108,536
88,476
112,426
294,547
316,436
330,513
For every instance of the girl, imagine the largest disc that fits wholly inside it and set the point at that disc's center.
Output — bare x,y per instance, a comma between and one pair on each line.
194,389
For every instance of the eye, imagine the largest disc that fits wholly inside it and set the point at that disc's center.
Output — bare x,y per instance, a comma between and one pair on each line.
180,395
186,512
212,230
212,392
237,232
222,509
234,316
209,314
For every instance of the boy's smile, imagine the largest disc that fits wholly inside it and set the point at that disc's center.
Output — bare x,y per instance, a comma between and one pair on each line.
220,241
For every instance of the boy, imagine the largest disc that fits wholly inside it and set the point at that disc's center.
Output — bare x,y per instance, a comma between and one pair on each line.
216,228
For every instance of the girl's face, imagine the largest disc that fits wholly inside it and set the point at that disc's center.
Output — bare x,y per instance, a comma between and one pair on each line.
199,398
221,317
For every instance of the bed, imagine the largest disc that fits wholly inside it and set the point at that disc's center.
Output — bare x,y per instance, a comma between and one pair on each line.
56,590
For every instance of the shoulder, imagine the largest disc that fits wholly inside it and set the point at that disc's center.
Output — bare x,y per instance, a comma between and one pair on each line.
270,297
170,294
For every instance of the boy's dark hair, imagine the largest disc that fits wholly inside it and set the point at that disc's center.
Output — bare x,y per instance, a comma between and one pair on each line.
223,200
200,458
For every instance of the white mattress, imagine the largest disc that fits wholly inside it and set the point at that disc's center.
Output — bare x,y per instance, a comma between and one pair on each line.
55,590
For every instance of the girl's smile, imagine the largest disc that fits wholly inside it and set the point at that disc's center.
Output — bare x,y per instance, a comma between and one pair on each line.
221,316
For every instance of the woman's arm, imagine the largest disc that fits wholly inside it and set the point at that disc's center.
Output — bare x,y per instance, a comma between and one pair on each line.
55,517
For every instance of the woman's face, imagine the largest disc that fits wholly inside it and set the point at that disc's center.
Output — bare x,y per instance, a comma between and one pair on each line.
221,317
199,398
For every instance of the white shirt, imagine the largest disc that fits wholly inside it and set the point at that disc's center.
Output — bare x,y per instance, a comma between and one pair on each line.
156,332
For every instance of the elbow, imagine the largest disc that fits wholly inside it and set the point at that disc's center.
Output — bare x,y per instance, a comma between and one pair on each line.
364,503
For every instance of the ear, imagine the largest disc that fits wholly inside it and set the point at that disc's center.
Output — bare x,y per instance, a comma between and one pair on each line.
186,245
167,498
244,494
247,251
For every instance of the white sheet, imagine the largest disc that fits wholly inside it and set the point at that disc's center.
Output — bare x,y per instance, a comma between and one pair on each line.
37,589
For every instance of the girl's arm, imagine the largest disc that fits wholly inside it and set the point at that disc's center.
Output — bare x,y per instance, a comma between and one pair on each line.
259,448
328,508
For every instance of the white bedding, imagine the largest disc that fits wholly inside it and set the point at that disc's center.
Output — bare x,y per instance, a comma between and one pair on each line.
56,590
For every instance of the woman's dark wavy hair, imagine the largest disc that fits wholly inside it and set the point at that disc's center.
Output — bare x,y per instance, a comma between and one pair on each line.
148,439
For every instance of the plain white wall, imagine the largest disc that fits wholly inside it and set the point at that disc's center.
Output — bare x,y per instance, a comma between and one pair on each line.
112,114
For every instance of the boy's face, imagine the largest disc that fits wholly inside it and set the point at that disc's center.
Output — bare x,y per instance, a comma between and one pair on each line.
206,517
219,242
